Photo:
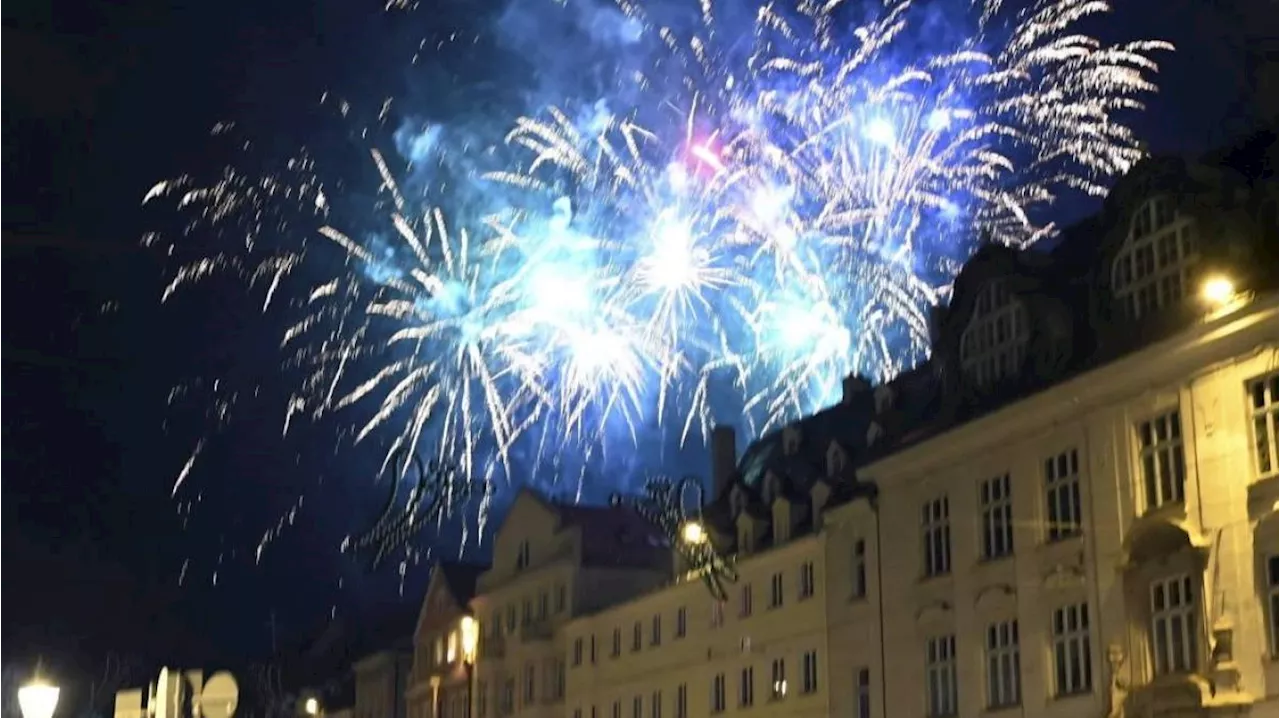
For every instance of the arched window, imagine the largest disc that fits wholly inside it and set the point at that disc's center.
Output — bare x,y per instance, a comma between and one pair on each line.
994,343
1153,268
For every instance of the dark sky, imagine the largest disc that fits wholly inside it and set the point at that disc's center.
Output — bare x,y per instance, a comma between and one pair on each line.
99,101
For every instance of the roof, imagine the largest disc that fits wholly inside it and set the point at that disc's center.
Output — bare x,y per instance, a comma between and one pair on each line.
460,579
612,535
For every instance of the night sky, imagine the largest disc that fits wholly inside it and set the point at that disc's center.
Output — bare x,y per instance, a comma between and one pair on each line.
102,100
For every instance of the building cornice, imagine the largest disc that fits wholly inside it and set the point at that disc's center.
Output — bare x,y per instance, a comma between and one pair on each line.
1212,340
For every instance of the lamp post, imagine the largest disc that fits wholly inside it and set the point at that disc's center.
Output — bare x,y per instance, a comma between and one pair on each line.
469,633
38,699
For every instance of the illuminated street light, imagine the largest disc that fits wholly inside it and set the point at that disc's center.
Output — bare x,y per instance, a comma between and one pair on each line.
1217,290
693,533
311,707
470,633
38,699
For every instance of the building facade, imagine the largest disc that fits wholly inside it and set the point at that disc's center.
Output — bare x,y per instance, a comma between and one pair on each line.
444,645
1069,510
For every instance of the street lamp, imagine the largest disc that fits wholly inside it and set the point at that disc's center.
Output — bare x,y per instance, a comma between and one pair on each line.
469,631
693,533
38,699
311,707
1217,291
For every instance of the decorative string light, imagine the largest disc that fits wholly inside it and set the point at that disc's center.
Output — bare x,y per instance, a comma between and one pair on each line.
664,504
438,492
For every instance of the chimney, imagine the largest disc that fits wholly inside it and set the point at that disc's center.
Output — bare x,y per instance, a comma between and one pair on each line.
724,458
853,387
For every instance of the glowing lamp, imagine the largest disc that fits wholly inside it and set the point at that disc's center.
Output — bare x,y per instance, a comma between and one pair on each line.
469,630
1217,290
37,699
311,707
693,533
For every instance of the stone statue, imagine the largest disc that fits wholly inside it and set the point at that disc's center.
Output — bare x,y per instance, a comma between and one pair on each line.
1119,688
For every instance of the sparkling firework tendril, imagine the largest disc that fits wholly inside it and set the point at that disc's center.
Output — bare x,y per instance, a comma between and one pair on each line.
665,504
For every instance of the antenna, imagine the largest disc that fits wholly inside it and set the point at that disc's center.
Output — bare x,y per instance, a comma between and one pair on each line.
219,696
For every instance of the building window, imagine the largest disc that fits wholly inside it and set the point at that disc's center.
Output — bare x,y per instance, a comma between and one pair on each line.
1072,661
577,713
593,649
682,701
747,687
682,621
1273,604
1004,679
616,648
935,520
940,665
775,590
556,688
807,582
863,692
544,602
1173,625
717,693
526,612
511,619
562,598
1153,268
994,343
522,556
530,682
637,707
997,517
655,632
1264,400
859,573
617,709
1062,495
637,636
717,614
778,679
577,651
655,705
507,702
809,672
1164,468
745,609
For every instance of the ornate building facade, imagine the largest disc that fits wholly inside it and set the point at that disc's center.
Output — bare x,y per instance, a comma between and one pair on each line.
1069,510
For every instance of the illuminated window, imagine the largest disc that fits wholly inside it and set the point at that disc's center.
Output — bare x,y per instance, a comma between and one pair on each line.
1164,469
1173,625
940,669
859,570
1153,268
1004,678
451,653
1072,662
994,344
935,523
1273,604
1264,402
1062,495
778,679
996,503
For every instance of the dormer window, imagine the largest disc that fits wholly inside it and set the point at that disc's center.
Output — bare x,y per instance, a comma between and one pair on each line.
771,488
835,459
1153,268
994,343
790,440
737,502
522,556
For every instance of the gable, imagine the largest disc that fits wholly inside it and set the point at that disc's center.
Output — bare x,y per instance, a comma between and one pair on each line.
439,607
530,520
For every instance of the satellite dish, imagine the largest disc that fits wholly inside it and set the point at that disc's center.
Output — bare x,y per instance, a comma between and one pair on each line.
219,697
